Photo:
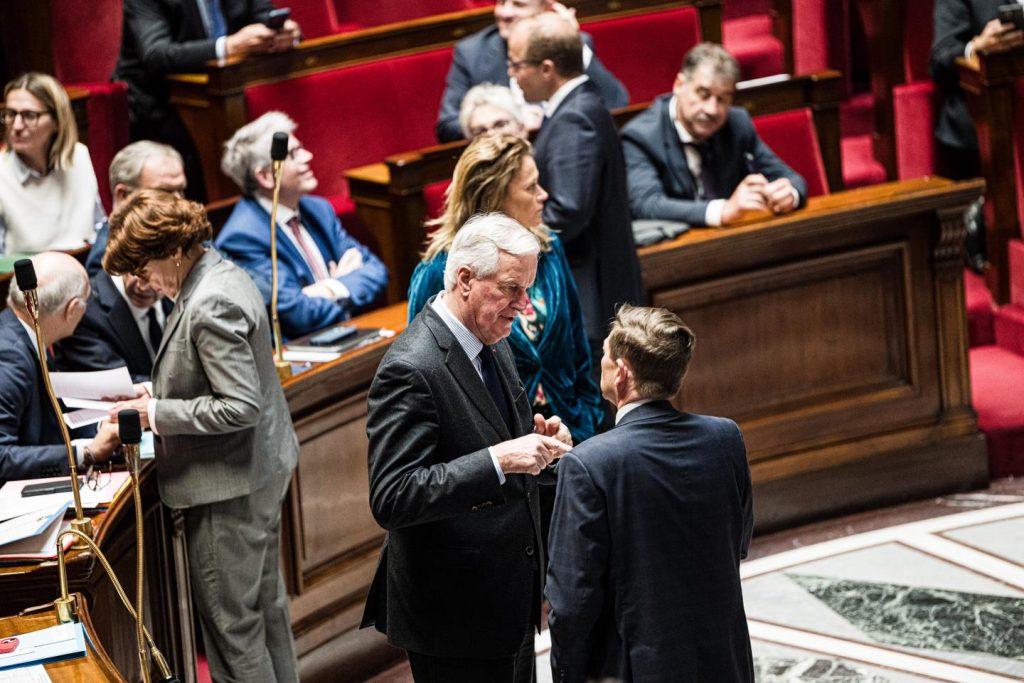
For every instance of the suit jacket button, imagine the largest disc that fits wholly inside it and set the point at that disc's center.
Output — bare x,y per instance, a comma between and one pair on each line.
474,508
529,550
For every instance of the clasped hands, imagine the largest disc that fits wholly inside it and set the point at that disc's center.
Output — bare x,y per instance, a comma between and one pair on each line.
350,261
755,193
532,453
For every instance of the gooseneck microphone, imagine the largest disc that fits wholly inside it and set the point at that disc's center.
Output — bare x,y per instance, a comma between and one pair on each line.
278,153
130,432
25,274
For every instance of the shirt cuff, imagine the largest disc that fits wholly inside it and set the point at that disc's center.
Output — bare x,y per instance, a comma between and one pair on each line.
969,49
221,47
338,289
713,214
151,414
588,55
79,446
497,467
796,198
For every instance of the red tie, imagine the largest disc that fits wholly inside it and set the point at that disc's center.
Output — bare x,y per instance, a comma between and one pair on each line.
315,263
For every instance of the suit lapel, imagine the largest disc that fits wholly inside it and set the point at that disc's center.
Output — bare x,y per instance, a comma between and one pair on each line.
122,322
678,167
465,373
286,249
207,261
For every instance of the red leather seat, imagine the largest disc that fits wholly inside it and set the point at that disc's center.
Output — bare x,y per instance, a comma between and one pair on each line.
792,136
664,37
747,33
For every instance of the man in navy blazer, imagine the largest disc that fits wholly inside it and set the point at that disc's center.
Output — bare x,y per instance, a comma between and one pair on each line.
650,523
482,58
324,275
581,166
692,157
30,439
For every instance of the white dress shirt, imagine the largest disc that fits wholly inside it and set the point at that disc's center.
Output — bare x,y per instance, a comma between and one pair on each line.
141,315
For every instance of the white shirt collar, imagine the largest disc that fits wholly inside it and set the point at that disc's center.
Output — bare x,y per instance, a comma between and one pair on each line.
138,313
30,331
552,104
630,407
467,340
684,135
22,171
284,214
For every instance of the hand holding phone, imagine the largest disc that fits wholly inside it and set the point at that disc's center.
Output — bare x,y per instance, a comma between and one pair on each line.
276,18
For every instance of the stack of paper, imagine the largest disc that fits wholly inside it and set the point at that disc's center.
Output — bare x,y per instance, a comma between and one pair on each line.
54,644
94,393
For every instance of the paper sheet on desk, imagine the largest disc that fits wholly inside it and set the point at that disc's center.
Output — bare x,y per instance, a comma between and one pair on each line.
41,547
96,385
31,523
26,674
11,499
54,644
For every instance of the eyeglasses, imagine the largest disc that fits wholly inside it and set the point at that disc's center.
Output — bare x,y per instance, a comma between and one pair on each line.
96,478
29,117
516,66
496,126
295,151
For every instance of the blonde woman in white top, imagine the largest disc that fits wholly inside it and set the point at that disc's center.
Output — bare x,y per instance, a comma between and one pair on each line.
48,192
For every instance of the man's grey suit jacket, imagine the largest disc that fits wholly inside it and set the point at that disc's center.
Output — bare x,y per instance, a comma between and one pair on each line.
223,423
459,574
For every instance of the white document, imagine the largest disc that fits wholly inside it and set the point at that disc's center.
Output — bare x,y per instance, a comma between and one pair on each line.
13,504
54,644
26,674
87,403
30,524
310,356
97,385
43,545
84,418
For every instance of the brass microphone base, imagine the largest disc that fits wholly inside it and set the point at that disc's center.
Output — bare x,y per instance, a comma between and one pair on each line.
284,369
67,609
83,525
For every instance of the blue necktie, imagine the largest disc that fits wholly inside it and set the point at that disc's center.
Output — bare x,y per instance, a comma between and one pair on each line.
216,18
489,371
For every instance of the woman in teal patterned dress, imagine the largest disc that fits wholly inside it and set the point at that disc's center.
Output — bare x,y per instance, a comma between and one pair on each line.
498,173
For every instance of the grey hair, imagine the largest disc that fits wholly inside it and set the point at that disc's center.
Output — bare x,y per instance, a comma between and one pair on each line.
722,64
498,96
479,242
54,292
126,166
248,150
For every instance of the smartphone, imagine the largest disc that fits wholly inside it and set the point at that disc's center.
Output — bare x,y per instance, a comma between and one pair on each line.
47,487
332,336
276,18
1012,14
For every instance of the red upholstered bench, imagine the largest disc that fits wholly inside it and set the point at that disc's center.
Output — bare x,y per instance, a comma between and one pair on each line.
358,115
645,51
747,33
997,375
88,64
792,136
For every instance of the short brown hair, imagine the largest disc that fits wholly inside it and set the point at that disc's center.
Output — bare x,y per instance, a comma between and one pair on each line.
152,225
51,93
656,344
716,57
480,184
554,38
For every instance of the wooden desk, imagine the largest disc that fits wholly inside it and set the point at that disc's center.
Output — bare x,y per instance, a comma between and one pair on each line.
836,337
389,195
93,668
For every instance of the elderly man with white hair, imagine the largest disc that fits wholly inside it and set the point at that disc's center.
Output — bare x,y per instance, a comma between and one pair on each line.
325,275
455,459
30,439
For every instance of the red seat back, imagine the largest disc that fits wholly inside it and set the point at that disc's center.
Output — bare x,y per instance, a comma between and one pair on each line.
821,37
792,136
913,108
91,41
316,17
358,115
663,38
732,9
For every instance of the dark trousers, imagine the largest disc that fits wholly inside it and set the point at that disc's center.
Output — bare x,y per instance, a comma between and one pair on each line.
519,668
957,163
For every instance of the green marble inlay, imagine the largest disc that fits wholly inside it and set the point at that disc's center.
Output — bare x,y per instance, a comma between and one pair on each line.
816,669
925,618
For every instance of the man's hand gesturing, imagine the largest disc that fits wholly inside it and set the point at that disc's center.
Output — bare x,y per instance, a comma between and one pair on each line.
528,454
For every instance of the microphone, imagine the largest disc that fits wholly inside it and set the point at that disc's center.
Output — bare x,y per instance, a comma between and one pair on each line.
25,274
130,432
278,153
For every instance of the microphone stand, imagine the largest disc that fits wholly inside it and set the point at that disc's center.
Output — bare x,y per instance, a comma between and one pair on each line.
26,278
278,152
130,432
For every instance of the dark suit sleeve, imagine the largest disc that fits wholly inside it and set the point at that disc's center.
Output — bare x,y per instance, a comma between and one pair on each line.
952,31
647,195
86,350
579,547
573,168
94,262
155,42
366,283
17,461
611,90
738,449
406,486
457,84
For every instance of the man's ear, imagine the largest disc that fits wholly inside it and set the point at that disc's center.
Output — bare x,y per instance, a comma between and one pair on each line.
462,280
121,192
623,373
265,177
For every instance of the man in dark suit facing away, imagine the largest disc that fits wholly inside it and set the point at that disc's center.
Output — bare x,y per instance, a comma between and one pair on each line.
695,158
651,521
454,459
125,318
581,166
481,58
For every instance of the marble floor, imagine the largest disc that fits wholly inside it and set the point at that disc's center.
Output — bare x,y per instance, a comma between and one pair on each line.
928,591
